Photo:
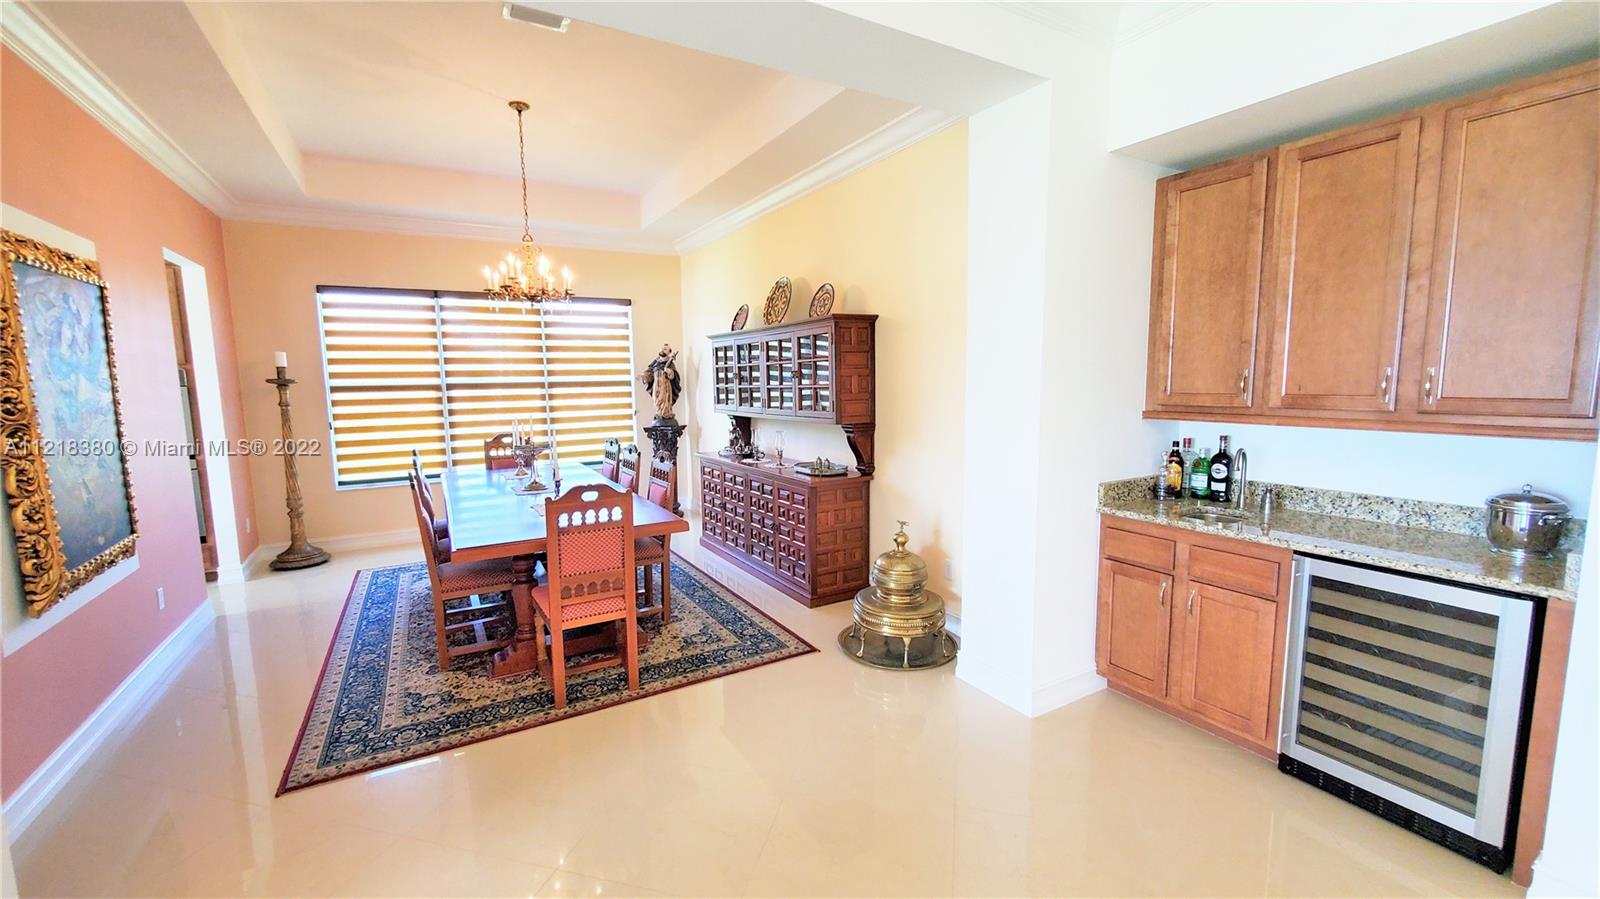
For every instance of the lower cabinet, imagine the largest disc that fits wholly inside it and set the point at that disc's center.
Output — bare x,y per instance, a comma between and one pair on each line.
1195,625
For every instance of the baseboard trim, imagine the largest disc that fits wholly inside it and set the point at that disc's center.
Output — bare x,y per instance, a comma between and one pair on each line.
1065,691
260,561
126,701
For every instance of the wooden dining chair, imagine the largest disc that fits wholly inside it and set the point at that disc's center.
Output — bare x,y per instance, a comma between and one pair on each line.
441,524
589,579
482,584
497,453
628,468
650,552
608,465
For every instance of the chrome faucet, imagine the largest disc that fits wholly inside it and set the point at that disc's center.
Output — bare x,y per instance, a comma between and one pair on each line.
1241,480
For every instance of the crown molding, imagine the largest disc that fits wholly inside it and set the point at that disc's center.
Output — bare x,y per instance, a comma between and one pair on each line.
1127,34
1059,16
60,63
893,137
386,223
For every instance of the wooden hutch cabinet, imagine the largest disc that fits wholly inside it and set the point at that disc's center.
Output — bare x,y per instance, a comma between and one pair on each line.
806,536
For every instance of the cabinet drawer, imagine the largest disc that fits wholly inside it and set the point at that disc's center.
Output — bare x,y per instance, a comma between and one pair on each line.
1235,572
1140,549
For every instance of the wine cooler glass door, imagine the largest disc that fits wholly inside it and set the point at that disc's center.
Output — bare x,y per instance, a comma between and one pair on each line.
1409,689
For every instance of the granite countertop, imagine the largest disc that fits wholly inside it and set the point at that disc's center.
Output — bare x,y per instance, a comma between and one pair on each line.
1451,555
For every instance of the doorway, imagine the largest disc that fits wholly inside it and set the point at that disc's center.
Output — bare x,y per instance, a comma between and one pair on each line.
193,436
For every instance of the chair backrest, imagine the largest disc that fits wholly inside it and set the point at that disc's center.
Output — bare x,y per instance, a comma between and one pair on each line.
662,488
432,549
590,551
608,466
628,468
425,493
497,452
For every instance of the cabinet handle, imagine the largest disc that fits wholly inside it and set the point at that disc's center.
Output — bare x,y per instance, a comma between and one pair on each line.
1383,385
1161,597
1244,379
1427,385
1191,600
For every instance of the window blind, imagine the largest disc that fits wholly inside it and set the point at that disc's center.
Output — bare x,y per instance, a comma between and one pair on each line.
442,372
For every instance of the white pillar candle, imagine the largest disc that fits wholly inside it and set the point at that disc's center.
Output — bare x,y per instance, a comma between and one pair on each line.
280,359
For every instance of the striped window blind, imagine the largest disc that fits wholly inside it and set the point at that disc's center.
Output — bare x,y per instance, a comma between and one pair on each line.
441,372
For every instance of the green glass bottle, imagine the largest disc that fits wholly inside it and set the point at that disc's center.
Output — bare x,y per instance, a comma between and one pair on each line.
1200,475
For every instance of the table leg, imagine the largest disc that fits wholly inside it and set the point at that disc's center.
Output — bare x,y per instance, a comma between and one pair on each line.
522,655
666,577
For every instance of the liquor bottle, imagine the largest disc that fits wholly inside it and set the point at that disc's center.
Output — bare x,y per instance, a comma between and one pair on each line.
1162,491
1221,486
1200,474
1188,456
1174,471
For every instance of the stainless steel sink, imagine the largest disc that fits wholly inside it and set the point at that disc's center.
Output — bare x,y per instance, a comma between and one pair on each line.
1216,516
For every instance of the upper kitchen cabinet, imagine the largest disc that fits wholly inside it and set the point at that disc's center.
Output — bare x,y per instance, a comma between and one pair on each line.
1342,235
1511,307
1206,286
1432,271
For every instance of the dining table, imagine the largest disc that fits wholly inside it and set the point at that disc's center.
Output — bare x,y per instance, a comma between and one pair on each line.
490,517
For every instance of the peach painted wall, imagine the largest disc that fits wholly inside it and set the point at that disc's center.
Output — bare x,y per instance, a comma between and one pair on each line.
60,165
274,270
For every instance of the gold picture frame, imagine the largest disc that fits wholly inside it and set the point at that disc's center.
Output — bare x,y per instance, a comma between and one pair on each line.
45,288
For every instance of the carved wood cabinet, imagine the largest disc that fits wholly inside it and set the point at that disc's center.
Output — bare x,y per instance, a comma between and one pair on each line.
805,536
817,370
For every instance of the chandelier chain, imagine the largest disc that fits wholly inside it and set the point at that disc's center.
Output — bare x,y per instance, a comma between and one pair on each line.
522,159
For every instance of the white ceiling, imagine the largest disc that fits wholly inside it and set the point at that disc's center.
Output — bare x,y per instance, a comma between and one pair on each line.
393,116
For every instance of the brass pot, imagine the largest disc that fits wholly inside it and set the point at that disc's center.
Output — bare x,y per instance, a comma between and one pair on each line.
897,622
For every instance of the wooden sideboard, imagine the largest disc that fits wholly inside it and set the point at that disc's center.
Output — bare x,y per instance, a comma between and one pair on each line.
1434,270
817,370
805,536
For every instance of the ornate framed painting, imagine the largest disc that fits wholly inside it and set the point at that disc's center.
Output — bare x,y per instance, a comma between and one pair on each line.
66,474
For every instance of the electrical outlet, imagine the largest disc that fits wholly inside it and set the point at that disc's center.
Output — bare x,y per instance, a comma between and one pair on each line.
247,525
161,598
949,569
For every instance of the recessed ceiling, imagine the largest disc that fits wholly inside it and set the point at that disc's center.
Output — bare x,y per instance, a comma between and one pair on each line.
393,116
426,84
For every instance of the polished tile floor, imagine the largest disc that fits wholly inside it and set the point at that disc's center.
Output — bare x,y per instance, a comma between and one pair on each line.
809,777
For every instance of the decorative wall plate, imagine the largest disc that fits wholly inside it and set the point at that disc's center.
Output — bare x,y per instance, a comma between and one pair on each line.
822,301
777,302
740,317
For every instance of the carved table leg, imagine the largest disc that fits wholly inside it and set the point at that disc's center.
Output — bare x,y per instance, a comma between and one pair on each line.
523,653
860,439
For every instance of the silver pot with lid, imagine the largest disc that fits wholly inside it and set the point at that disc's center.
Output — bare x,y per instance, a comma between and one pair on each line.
1526,522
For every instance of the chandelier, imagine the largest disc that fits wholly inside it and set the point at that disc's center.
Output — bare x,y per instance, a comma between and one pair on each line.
525,275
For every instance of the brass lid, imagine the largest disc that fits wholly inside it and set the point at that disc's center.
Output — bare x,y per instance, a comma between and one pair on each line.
899,574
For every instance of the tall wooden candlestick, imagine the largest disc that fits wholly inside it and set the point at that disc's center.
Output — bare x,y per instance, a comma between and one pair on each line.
300,554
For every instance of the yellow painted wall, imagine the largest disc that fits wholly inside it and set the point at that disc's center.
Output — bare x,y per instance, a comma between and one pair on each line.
273,273
892,239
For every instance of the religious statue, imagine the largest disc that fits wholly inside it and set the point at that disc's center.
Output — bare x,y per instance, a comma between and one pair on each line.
660,379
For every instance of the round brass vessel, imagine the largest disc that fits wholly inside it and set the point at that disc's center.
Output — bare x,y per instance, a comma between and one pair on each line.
897,622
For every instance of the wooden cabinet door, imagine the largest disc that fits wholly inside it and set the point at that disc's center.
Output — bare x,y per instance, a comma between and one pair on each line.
1210,228
1227,660
1342,238
1131,637
1512,302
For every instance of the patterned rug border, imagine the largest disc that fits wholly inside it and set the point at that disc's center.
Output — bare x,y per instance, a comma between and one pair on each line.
333,641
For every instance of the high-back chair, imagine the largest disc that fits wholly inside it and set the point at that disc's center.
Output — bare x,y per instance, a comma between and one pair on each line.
608,465
497,453
589,578
628,468
651,552
441,525
478,582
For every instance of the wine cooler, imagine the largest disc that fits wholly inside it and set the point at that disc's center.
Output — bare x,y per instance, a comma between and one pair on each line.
1405,696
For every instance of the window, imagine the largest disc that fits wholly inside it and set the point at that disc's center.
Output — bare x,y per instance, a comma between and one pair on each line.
442,372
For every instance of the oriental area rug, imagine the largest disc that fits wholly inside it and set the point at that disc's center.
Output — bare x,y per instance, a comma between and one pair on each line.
381,698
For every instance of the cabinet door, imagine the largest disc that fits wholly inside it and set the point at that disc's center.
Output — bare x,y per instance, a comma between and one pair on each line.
1227,659
1342,238
1209,237
1511,319
1131,641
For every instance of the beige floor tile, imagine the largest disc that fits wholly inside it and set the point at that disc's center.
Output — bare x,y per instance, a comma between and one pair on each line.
815,776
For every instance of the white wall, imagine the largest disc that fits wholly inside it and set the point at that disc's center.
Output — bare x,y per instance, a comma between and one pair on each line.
1567,866
1226,56
1436,467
